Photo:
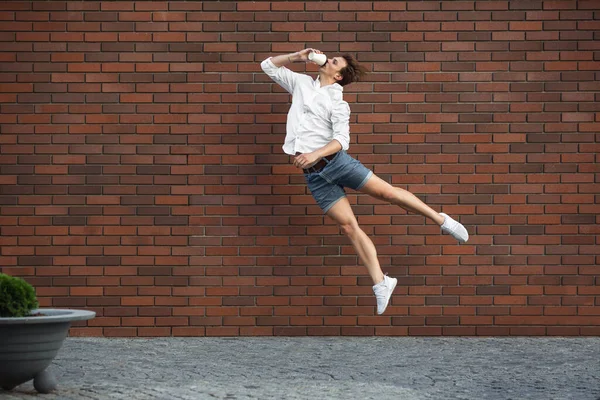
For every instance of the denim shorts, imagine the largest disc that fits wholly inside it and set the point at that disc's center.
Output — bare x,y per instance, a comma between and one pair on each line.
327,185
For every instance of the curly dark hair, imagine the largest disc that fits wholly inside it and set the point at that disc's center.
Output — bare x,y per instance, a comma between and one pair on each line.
353,72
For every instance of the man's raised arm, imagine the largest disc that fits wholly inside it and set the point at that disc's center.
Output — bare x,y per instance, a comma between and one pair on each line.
285,78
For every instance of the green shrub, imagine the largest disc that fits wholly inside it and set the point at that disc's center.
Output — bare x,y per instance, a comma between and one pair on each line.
17,297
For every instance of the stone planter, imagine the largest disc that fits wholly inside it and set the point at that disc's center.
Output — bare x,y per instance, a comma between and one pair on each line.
29,344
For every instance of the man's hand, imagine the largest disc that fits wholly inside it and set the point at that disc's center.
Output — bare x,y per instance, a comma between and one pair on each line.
306,160
303,54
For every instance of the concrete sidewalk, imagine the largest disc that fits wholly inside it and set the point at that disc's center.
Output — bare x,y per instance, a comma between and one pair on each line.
325,368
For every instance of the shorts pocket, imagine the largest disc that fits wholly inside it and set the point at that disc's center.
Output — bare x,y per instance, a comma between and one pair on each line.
310,176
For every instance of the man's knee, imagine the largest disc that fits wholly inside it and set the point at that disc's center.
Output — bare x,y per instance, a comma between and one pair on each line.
388,195
349,228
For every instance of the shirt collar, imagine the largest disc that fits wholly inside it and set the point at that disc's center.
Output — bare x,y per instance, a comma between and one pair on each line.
334,86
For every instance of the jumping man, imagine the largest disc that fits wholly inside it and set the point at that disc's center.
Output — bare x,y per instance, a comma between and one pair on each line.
318,135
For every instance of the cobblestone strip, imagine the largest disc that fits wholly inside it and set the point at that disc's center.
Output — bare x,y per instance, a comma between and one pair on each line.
324,368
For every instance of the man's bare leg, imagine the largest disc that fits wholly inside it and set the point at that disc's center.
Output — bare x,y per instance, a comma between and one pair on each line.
382,190
383,285
342,214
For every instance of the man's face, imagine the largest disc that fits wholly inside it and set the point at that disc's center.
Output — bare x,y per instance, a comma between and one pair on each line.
333,67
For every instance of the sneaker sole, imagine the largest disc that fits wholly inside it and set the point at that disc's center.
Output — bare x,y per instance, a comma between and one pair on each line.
388,299
460,239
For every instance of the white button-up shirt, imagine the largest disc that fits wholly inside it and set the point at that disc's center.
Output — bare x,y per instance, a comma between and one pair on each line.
318,114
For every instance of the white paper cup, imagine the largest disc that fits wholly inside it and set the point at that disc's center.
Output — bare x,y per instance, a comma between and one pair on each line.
319,59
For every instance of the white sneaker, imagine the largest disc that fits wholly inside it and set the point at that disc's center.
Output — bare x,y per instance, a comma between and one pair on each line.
383,291
455,228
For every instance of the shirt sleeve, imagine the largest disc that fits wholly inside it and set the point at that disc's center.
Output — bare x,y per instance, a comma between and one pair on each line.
281,75
340,121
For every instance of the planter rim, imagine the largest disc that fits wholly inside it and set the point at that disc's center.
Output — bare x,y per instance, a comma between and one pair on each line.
52,315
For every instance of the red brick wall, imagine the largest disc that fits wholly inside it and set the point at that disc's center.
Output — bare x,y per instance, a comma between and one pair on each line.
143,177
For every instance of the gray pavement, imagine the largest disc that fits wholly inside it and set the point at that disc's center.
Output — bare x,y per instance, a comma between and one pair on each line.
405,368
